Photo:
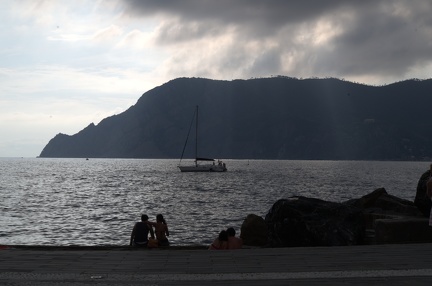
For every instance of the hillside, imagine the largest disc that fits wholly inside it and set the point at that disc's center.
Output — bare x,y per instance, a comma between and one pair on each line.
267,118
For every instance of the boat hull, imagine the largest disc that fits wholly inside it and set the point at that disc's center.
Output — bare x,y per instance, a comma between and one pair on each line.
203,168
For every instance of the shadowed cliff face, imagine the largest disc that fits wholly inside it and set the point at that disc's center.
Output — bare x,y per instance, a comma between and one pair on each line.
270,118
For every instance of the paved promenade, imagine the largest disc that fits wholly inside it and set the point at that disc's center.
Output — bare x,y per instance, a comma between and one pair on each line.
409,264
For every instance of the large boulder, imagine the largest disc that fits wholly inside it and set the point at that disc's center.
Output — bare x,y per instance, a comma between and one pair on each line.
421,200
379,202
301,221
391,219
403,230
254,231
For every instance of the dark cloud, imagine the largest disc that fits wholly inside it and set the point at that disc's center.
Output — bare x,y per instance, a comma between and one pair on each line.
368,37
257,15
266,63
271,12
382,41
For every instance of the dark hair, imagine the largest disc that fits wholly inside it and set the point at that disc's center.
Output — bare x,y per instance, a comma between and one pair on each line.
223,236
231,231
144,217
160,218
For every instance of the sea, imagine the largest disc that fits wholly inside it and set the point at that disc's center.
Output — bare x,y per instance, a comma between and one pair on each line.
95,202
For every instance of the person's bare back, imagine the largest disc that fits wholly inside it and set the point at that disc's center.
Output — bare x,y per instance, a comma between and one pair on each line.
233,241
161,230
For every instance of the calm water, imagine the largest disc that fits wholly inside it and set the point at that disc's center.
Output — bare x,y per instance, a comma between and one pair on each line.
96,202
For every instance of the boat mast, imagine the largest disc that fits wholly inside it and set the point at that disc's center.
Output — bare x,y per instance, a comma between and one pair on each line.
196,137
187,137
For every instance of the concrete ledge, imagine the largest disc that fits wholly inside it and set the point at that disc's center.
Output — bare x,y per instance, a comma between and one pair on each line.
402,230
390,264
100,247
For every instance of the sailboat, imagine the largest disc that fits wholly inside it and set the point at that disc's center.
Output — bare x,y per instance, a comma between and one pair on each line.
198,165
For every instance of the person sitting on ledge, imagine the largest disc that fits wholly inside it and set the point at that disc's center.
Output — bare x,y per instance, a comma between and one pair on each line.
233,241
221,242
139,235
161,230
429,192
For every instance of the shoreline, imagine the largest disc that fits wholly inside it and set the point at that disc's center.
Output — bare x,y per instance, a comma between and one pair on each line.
99,247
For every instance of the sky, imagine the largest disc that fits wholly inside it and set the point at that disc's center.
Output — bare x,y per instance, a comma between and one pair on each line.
66,64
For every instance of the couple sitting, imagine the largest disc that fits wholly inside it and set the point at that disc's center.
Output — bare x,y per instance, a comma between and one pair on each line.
140,232
226,240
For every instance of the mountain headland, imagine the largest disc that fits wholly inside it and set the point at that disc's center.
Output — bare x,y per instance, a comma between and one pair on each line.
265,118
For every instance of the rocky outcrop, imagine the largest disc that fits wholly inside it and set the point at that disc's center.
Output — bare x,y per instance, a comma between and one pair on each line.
422,202
374,218
390,219
379,202
402,230
301,221
254,231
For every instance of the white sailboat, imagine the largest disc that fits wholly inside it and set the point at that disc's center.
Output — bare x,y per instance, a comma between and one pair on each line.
198,165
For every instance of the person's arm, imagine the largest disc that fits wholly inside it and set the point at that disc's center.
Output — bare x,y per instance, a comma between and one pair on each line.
151,232
132,235
166,230
429,188
214,245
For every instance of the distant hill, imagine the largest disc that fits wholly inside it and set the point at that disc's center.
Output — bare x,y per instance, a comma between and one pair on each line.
266,118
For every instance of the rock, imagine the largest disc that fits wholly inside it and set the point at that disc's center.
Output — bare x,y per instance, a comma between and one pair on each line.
392,219
421,200
380,202
301,221
254,231
403,230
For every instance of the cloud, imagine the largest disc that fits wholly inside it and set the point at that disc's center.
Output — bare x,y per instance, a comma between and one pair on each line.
257,18
351,39
386,41
108,34
49,79
136,40
28,125
58,99
379,40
